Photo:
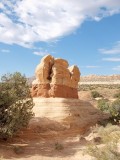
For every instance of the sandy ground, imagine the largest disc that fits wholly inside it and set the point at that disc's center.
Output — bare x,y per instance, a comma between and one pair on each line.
45,130
42,150
51,126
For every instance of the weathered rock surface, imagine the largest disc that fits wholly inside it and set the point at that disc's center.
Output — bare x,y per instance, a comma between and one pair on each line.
64,116
54,78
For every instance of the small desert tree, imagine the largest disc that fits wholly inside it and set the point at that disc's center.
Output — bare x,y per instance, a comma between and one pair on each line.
112,108
115,111
95,94
15,104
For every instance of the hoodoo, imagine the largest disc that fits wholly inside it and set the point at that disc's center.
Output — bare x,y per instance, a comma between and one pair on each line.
54,78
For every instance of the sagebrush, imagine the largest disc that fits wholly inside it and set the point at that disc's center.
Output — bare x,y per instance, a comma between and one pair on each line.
95,94
108,150
112,108
16,104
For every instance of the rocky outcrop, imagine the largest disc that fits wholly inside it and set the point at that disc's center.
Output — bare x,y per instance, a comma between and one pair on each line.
64,117
54,78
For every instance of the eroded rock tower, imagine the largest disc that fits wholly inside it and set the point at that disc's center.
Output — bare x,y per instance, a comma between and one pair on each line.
54,78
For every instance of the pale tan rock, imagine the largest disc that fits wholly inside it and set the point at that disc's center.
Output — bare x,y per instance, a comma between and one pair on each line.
47,59
42,71
61,62
76,115
75,76
60,72
36,81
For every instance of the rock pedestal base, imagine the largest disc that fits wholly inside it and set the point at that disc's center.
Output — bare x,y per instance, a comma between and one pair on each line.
47,90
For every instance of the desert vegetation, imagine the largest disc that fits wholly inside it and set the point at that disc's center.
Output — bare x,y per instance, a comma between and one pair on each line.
107,148
15,104
88,87
117,95
95,94
106,137
112,108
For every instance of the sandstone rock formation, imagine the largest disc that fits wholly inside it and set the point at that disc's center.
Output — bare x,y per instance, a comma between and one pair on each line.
58,117
54,78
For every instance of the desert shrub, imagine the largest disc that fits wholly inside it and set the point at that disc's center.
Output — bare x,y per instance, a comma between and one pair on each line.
58,146
95,94
18,149
92,87
87,87
117,95
108,152
16,104
103,105
112,108
110,136
109,133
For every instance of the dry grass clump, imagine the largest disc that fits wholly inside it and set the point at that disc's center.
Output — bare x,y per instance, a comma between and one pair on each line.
58,146
18,149
117,95
113,109
108,152
109,133
109,149
95,94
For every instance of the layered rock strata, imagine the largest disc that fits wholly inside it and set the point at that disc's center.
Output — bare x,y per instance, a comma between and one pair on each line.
54,78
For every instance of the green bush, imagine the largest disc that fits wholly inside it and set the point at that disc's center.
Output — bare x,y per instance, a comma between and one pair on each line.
115,111
95,94
18,149
103,105
112,108
16,104
58,146
117,95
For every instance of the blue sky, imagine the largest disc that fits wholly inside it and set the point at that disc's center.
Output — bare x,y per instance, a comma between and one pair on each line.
85,34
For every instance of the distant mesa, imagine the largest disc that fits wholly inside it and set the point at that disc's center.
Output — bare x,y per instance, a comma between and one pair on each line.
54,78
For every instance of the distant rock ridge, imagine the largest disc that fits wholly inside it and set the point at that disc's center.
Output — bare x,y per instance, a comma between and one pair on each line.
54,78
91,78
101,78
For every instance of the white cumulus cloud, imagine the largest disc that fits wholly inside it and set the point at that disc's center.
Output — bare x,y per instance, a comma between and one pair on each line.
25,22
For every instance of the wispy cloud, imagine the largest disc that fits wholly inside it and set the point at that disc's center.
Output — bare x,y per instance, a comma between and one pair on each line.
5,50
92,66
39,53
117,68
114,50
43,20
111,59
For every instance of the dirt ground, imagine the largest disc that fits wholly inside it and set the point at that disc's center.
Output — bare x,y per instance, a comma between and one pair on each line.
48,139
